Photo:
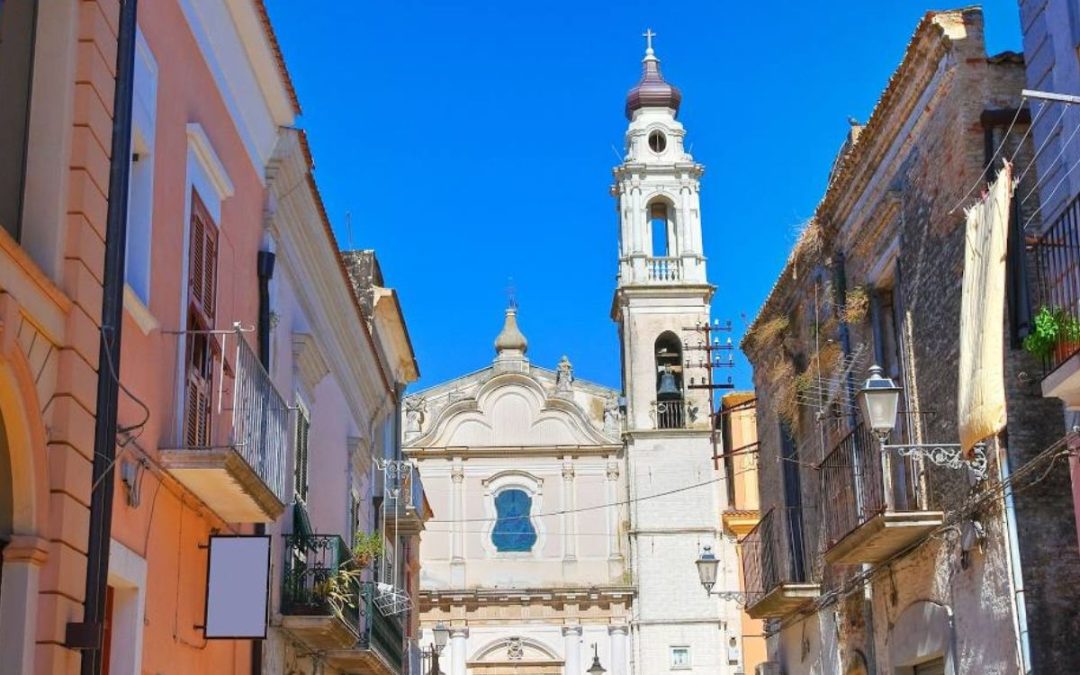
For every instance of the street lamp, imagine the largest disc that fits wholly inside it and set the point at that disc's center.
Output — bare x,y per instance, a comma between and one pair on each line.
595,668
441,634
707,565
881,399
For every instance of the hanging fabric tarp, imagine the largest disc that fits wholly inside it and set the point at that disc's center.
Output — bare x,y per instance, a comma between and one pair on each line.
981,395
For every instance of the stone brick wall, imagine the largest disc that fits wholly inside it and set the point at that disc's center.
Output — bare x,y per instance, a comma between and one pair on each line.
890,222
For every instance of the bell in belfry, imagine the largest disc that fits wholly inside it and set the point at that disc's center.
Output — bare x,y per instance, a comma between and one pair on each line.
668,389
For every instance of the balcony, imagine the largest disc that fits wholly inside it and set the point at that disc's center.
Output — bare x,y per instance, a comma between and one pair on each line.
775,565
381,647
355,636
663,270
1057,270
238,467
870,515
675,414
311,561
406,504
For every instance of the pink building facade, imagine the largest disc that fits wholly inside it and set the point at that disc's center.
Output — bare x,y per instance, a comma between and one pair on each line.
250,371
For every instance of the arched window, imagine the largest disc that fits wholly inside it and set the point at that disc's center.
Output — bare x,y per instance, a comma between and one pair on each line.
661,228
514,531
669,381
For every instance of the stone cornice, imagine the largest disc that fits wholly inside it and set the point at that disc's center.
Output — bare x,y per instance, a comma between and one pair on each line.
325,295
467,452
518,596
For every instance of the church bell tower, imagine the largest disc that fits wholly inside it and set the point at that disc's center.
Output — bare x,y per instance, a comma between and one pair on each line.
661,300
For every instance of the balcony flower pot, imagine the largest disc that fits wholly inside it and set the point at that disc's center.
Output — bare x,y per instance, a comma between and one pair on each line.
1055,335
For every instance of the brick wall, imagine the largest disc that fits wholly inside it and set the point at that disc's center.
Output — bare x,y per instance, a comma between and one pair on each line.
921,152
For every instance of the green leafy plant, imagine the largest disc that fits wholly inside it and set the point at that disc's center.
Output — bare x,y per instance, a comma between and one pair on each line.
367,546
1052,326
340,590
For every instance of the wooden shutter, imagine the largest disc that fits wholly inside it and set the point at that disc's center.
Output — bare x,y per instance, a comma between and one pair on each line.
202,262
197,413
202,289
300,471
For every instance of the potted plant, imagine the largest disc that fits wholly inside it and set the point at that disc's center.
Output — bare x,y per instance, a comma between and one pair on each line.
339,590
367,547
1054,332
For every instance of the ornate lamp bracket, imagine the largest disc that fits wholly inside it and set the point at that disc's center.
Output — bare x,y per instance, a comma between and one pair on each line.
738,597
948,455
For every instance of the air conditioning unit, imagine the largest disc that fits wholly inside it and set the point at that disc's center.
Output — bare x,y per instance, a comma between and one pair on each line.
767,668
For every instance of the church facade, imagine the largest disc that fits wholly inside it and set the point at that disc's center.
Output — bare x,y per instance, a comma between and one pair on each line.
567,515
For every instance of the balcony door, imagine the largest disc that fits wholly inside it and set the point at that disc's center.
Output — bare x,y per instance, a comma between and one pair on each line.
793,520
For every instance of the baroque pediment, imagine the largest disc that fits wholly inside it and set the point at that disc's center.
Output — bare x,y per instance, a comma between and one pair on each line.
508,410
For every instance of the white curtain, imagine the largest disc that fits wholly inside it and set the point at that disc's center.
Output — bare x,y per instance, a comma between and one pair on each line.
981,400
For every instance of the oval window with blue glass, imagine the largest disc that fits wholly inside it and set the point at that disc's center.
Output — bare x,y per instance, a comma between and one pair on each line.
514,531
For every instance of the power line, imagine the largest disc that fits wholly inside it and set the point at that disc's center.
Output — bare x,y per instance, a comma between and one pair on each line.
1001,145
597,507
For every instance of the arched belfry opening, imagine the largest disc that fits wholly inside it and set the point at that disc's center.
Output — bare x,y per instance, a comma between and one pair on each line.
662,229
669,381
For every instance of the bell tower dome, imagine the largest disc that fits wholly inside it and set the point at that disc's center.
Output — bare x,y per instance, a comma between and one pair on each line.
657,187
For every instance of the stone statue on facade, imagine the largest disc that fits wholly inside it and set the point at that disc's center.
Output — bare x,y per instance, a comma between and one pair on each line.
612,415
415,406
515,650
564,377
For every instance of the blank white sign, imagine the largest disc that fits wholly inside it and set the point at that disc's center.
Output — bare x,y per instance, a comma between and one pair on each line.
237,587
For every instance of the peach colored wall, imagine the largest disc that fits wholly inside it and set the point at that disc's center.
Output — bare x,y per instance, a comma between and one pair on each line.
170,524
741,425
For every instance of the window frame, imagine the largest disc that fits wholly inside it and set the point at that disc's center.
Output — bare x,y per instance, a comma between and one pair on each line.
533,486
530,520
688,665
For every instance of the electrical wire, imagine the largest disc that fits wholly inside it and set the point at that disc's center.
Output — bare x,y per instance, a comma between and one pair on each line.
1041,183
1045,200
982,174
1044,144
622,502
997,489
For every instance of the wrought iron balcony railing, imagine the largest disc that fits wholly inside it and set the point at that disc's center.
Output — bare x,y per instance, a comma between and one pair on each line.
381,633
1057,270
260,420
309,579
852,481
312,587
236,438
774,552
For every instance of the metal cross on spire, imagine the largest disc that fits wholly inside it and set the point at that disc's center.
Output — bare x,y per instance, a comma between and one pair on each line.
511,294
648,35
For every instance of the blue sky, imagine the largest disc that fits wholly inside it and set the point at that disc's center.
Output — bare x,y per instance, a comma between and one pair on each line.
472,142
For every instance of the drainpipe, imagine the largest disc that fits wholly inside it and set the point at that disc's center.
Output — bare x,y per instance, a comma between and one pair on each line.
1016,576
266,273
87,635
265,270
